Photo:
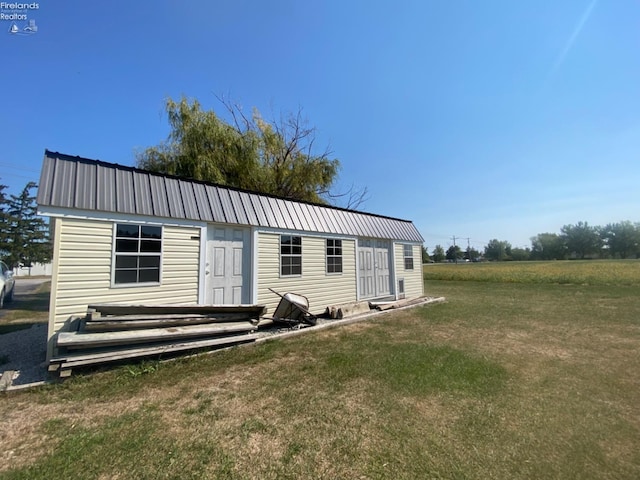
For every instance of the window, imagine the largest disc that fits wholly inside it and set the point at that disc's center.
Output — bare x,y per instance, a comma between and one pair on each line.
137,253
290,255
408,257
334,255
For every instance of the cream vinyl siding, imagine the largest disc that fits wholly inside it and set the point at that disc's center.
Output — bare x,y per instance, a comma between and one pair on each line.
320,288
83,259
413,282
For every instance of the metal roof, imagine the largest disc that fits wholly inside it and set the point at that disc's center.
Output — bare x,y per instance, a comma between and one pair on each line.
80,183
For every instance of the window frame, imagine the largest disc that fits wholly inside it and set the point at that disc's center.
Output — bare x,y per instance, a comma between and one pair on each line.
295,252
137,254
406,257
333,255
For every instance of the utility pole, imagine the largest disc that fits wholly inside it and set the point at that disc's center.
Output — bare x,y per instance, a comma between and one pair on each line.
455,255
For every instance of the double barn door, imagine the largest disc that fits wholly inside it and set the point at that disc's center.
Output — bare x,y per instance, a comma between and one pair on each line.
374,274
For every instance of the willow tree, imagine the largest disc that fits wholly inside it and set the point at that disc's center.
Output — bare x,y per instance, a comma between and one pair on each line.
203,146
272,157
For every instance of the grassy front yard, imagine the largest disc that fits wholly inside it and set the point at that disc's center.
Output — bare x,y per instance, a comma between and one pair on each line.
506,380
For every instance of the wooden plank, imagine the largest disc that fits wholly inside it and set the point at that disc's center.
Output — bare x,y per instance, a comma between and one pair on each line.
117,350
134,351
383,306
93,340
70,361
347,309
169,316
105,325
265,322
155,351
111,309
396,304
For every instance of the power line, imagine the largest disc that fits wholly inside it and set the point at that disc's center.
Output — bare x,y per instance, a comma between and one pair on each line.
6,174
18,168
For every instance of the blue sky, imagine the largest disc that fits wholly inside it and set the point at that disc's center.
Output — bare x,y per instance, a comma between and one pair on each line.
479,119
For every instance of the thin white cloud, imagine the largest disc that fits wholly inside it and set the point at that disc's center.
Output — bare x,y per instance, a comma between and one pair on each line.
572,40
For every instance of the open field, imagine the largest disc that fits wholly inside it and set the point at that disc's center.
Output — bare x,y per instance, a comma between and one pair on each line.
506,381
581,272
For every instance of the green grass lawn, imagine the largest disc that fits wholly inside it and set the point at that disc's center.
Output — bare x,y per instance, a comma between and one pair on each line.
584,272
506,380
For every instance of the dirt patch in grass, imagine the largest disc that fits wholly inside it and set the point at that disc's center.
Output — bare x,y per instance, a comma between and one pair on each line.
23,434
21,437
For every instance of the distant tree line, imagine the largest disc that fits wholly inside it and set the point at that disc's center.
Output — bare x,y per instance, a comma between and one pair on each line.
614,240
24,236
619,240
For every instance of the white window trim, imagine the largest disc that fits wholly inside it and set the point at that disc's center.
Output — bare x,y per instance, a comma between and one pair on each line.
405,256
293,275
326,258
113,257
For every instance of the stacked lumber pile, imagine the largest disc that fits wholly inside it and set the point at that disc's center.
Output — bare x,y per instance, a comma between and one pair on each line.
112,333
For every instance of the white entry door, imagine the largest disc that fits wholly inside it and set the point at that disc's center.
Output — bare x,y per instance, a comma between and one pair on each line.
373,272
227,269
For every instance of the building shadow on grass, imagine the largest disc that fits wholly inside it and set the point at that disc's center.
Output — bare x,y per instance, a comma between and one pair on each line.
25,310
30,302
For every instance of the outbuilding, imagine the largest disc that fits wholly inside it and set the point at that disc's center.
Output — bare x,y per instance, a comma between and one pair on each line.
130,236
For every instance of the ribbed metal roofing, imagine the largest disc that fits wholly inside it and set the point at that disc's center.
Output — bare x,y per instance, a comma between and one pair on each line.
80,183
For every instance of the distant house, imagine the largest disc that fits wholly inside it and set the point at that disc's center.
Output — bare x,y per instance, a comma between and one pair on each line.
37,269
124,235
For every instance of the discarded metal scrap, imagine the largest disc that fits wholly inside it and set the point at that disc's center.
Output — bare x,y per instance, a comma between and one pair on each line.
293,310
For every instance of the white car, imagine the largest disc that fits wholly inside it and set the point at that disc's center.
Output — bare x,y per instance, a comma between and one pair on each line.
7,284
